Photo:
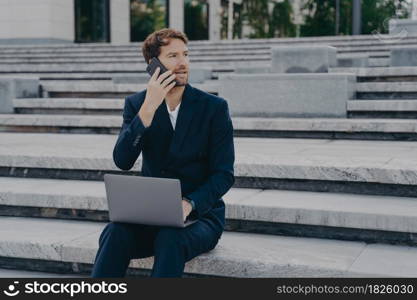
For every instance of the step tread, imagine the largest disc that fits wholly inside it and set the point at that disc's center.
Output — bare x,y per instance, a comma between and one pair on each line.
401,86
343,45
382,105
356,161
111,103
100,86
12,273
239,123
237,254
377,71
102,103
276,206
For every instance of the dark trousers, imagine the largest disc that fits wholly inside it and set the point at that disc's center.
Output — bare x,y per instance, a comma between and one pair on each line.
171,247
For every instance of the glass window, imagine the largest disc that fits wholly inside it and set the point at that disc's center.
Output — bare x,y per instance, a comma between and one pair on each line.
92,23
146,16
196,19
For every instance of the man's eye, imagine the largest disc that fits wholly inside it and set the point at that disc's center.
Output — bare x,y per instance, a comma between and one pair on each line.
186,54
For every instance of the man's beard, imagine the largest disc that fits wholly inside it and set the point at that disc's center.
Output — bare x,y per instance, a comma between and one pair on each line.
182,82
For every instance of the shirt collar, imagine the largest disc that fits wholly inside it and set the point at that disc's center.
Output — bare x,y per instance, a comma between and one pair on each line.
175,110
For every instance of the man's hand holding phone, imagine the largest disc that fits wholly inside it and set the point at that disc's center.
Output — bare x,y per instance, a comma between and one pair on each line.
156,91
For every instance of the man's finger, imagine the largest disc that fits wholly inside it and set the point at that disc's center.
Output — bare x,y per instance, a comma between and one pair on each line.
168,80
155,74
164,75
170,86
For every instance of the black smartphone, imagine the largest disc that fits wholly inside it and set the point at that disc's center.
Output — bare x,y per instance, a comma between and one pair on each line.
155,63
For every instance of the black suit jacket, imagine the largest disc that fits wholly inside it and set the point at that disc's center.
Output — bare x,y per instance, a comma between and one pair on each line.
200,152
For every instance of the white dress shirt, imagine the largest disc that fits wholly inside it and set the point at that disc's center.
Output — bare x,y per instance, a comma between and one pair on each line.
173,114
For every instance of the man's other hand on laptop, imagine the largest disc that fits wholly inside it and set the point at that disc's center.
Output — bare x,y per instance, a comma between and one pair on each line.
186,209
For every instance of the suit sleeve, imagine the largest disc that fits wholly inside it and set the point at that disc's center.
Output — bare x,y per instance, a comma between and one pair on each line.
221,161
130,141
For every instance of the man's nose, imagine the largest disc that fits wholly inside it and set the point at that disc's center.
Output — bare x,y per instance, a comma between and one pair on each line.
183,61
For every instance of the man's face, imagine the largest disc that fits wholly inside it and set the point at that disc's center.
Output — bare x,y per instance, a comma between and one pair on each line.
174,57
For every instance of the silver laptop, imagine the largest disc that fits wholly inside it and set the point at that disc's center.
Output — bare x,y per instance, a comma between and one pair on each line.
145,200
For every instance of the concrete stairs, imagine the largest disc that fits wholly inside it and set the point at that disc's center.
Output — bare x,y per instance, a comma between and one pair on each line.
313,197
387,92
368,218
47,185
386,108
72,246
230,54
103,122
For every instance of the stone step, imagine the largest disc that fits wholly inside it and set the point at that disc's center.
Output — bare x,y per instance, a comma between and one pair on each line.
365,90
13,273
49,76
359,167
383,109
382,105
134,60
364,74
106,123
378,62
347,43
371,87
118,67
73,244
10,63
386,90
372,54
105,89
123,67
224,44
386,74
292,213
94,76
135,54
210,45
117,104
61,106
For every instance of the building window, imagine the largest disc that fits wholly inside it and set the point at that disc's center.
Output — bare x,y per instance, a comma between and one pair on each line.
92,21
146,16
196,19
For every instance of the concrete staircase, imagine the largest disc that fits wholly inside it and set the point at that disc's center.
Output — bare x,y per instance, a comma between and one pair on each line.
313,197
223,56
384,92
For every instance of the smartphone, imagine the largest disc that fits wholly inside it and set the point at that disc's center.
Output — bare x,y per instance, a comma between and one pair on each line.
155,63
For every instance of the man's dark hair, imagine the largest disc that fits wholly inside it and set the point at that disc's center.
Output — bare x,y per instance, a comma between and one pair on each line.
152,45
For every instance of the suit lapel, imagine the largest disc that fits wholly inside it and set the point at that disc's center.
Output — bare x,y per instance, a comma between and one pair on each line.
162,119
185,116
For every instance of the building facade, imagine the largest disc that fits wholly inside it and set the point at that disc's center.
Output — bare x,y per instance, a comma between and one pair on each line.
115,21
124,21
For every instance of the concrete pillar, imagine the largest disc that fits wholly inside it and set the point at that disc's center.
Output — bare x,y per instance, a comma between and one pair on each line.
357,17
214,20
176,14
337,17
37,21
298,15
230,20
120,21
413,9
